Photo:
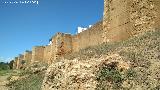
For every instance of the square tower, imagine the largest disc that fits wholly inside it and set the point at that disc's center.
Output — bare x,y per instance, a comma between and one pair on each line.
37,54
125,18
61,45
28,57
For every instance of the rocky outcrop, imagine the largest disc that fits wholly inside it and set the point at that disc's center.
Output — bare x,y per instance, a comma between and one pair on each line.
78,74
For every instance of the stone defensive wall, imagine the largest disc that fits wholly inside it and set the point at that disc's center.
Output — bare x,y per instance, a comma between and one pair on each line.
121,19
125,18
66,43
90,37
62,44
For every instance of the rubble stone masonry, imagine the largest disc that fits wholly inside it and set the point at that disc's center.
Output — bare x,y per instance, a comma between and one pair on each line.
61,44
125,18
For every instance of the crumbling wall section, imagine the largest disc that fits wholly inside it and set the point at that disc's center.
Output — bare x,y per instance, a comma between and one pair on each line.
61,45
20,62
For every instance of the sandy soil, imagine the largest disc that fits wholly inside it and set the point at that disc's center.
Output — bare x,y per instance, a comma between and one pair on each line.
3,82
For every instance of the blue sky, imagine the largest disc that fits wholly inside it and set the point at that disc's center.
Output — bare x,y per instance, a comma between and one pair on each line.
23,26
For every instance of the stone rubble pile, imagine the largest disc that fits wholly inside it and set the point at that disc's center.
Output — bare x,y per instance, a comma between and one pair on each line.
77,74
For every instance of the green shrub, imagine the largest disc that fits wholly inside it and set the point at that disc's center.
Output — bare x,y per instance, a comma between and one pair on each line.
130,74
109,74
4,66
